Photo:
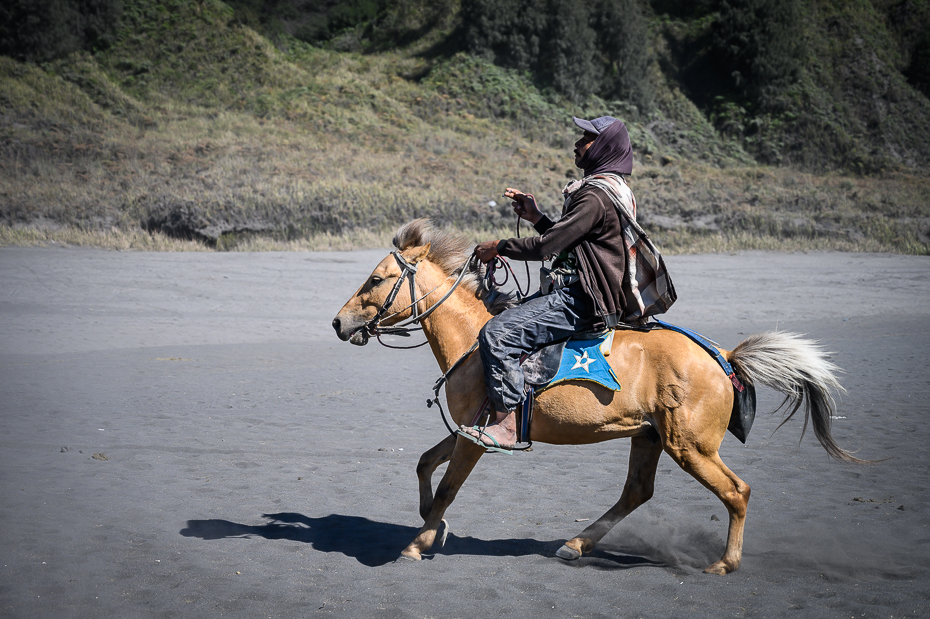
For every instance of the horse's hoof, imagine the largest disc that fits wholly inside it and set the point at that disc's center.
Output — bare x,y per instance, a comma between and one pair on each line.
408,555
569,554
719,568
445,533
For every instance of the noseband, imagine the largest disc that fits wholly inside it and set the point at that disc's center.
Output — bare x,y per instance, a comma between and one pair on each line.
408,272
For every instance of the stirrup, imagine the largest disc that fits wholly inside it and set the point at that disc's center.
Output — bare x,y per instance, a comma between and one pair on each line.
496,447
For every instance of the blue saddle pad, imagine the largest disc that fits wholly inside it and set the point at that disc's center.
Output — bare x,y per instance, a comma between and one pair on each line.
583,360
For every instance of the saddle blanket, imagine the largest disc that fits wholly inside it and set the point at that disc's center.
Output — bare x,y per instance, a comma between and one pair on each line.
582,359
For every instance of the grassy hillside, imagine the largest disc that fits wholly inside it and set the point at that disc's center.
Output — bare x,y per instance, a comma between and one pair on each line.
204,124
847,106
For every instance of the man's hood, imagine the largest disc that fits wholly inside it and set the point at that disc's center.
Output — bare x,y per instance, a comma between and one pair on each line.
609,152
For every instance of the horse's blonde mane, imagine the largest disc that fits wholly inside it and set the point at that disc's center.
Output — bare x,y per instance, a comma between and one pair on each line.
449,252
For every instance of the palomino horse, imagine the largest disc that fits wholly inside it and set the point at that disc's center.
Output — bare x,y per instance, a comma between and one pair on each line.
675,398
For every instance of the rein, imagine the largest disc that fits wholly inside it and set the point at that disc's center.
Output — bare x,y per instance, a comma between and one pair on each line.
498,263
484,405
501,264
442,380
408,272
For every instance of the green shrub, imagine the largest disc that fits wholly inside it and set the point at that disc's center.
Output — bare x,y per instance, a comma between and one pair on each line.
567,59
41,30
506,32
576,48
760,43
918,70
623,36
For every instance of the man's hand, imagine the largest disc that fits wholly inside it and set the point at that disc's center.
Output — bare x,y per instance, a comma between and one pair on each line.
524,205
487,251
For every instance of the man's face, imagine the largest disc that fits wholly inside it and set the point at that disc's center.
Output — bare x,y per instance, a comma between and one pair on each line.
582,146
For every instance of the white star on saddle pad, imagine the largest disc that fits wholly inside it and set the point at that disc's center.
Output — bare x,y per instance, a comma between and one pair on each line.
582,361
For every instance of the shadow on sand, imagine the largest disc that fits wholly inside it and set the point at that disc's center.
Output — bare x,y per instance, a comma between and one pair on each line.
375,543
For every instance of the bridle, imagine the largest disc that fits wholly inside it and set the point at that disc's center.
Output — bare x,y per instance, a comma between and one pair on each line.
403,328
408,272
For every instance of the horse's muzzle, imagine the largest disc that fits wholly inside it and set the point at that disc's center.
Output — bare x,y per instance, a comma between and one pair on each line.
350,331
359,338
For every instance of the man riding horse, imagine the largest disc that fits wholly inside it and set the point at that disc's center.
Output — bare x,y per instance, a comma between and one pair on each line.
685,390
592,283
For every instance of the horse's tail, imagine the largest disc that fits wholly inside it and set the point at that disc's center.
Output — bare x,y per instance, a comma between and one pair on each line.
799,369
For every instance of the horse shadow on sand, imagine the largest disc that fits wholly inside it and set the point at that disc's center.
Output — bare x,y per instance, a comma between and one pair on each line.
374,543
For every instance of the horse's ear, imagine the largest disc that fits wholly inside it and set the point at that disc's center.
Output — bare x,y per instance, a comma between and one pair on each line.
416,254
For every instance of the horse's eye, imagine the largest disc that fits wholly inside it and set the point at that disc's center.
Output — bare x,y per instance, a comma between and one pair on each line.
375,280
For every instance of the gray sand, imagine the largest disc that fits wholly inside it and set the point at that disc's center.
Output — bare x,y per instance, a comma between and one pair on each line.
257,466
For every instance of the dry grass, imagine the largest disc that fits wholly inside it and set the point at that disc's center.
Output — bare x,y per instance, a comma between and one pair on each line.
233,166
102,239
138,240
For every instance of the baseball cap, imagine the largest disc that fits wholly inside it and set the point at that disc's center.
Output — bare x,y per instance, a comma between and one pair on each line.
595,126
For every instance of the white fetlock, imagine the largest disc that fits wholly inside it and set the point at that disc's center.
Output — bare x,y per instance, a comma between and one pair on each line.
445,533
569,554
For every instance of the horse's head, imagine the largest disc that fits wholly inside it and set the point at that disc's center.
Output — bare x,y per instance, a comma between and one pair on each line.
372,299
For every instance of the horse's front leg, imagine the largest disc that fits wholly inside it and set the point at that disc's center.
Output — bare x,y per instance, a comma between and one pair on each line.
429,462
465,456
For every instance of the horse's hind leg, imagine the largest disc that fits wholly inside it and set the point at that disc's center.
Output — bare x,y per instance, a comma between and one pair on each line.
640,482
730,489
429,462
465,456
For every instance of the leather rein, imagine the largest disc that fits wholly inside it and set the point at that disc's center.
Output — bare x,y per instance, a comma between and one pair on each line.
403,328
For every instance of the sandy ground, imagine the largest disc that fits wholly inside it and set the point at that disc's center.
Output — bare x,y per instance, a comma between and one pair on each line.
182,435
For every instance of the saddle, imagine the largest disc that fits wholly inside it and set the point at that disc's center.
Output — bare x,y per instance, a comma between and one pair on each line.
581,357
